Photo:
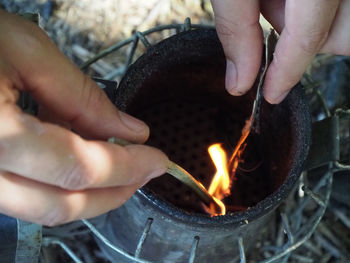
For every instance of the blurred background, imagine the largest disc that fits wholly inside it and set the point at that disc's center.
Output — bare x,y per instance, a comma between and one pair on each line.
81,29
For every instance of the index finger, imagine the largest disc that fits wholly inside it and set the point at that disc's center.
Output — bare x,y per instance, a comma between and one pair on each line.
307,24
53,155
59,85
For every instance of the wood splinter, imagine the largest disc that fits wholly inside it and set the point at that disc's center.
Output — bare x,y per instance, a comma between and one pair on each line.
180,174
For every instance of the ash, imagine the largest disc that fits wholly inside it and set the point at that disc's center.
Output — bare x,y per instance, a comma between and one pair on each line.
81,29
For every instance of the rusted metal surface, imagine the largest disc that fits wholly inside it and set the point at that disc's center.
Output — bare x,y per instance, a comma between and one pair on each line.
29,238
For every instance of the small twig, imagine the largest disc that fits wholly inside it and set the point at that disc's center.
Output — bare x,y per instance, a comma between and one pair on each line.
334,239
326,257
302,259
250,169
313,248
270,43
182,175
328,246
343,218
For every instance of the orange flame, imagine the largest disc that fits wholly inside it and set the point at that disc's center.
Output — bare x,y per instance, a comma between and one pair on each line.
220,185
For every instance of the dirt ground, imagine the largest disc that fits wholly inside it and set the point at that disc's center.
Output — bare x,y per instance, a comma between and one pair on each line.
81,29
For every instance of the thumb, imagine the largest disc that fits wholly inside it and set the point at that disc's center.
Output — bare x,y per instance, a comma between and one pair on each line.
238,28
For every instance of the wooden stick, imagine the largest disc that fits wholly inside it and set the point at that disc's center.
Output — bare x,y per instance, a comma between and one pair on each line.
180,174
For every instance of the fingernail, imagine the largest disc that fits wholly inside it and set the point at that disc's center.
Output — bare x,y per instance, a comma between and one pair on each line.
155,173
231,78
152,175
276,98
132,123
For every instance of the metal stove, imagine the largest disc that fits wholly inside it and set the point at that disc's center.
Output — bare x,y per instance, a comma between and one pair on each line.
164,221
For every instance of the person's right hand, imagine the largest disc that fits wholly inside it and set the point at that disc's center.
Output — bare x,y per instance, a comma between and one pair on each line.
48,174
307,27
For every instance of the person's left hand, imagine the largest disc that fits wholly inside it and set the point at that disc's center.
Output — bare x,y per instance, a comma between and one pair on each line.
49,174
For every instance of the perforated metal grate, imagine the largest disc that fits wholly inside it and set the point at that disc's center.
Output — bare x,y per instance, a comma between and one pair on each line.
184,129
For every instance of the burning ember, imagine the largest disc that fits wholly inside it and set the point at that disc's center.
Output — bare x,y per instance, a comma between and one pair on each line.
225,170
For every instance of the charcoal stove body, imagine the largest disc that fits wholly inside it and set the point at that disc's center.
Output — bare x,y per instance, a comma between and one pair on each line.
177,88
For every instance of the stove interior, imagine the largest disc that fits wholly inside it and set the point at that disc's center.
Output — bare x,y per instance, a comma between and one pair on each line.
187,109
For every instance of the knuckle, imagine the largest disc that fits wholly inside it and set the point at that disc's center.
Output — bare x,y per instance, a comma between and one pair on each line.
224,27
312,42
91,95
76,178
231,28
278,65
56,216
91,98
36,41
33,36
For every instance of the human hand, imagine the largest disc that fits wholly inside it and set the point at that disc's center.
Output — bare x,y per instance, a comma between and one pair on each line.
307,27
48,174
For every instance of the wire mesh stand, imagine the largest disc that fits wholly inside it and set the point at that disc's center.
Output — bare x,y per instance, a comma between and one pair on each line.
297,228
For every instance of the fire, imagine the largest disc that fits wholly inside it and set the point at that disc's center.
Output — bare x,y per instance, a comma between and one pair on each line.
225,170
220,185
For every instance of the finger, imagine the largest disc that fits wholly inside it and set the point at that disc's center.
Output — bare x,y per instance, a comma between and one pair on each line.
53,155
273,11
237,24
48,205
307,24
338,41
60,86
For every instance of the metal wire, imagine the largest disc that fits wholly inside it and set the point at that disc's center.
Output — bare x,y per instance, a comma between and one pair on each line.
127,41
297,214
286,227
323,102
309,227
241,250
110,245
52,241
143,237
314,196
121,71
143,39
193,249
298,233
